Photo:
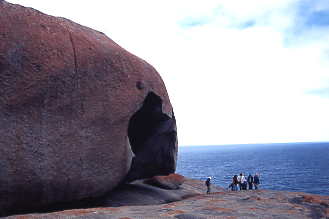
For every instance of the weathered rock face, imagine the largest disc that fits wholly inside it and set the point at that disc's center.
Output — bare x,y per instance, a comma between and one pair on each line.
73,107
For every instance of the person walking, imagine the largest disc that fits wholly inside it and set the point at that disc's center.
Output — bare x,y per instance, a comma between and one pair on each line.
250,180
208,184
256,181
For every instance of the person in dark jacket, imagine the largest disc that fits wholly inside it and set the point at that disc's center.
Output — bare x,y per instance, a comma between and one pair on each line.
234,184
208,184
256,181
250,180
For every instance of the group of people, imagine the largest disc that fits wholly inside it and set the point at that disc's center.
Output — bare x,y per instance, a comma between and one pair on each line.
251,182
239,182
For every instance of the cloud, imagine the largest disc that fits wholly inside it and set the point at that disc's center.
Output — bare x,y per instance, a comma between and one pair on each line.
323,92
314,14
294,19
193,21
247,24
318,18
310,23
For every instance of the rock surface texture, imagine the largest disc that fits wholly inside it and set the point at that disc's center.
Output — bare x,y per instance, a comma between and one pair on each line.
172,181
78,113
138,200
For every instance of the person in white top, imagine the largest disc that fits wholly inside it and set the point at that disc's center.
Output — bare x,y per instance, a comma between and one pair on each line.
239,180
242,181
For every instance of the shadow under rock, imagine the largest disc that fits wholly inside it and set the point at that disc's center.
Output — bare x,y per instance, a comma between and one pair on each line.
135,193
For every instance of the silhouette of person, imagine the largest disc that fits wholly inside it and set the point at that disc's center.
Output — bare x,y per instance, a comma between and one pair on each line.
208,184
256,180
250,180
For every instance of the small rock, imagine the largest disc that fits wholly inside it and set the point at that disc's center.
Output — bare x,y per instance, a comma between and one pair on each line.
172,181
189,216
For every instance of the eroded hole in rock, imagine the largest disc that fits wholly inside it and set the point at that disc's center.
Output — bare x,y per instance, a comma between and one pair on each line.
152,135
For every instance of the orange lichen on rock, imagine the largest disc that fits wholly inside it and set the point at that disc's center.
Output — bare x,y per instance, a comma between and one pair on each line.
218,193
327,212
255,198
213,208
88,211
216,200
78,211
24,217
287,211
171,205
173,212
110,209
298,207
199,197
315,199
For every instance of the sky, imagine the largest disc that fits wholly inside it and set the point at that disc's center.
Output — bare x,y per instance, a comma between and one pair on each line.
236,71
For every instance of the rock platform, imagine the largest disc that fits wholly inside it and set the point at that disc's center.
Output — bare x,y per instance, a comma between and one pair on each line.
139,200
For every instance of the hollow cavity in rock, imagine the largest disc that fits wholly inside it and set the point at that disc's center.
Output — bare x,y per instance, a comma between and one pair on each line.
152,135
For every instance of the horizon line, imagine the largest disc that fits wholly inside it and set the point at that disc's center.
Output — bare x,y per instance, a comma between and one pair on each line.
230,144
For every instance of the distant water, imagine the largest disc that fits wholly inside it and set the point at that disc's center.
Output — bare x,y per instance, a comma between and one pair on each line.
302,167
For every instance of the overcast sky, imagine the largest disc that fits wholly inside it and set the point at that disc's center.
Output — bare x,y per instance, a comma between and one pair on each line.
237,71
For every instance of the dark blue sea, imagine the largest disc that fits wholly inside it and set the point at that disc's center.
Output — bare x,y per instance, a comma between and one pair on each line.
302,167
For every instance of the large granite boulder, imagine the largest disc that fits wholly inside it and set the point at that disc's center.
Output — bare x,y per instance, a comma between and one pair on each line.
78,113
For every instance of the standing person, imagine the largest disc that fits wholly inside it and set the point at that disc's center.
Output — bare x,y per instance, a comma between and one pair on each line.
256,181
250,181
208,184
243,182
235,182
239,181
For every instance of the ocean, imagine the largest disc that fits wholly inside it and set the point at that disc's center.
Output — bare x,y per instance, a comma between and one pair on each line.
296,167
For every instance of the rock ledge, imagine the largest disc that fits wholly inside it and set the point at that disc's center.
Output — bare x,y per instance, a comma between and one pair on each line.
139,200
